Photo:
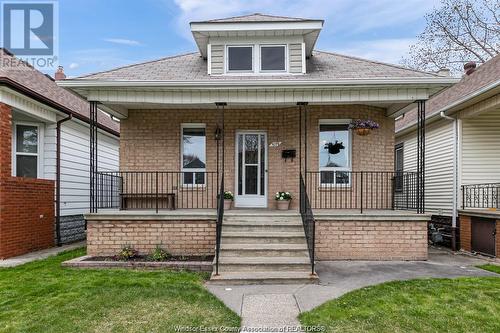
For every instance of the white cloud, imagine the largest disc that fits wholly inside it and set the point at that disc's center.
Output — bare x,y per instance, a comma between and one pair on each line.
385,50
123,41
74,65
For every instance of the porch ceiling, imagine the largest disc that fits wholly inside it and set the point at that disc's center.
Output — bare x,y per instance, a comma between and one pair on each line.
118,99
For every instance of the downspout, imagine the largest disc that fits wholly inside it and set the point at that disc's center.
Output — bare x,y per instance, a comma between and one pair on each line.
58,178
455,180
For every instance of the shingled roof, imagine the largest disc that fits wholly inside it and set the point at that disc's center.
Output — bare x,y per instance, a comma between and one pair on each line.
484,75
257,17
321,66
19,75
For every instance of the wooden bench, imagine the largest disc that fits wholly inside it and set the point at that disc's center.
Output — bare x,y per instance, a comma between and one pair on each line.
151,198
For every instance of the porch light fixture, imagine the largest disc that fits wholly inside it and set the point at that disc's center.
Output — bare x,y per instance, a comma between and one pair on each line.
218,134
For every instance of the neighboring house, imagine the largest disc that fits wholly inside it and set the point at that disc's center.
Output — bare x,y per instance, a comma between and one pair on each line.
254,111
33,109
462,156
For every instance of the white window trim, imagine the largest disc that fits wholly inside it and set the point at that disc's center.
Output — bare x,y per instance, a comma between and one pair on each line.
226,59
285,46
39,154
349,145
192,185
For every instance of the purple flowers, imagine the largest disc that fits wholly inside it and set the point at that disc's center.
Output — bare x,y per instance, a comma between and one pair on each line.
363,123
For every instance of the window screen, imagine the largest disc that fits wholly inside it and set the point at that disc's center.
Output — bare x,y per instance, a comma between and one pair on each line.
240,58
272,58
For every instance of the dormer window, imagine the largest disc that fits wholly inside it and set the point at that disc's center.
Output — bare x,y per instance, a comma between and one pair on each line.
273,58
240,58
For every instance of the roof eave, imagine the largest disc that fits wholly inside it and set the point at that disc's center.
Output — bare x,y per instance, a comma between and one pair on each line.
84,83
201,30
455,106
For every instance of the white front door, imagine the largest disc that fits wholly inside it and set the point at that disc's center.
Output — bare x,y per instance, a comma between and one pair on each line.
251,169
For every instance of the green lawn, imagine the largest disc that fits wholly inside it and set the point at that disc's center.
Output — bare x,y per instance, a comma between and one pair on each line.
491,267
43,297
430,305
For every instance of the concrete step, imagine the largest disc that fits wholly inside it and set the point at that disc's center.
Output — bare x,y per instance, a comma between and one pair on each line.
264,264
289,277
264,250
262,227
232,237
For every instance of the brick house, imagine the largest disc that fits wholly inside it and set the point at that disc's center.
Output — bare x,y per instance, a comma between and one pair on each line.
44,160
256,110
462,158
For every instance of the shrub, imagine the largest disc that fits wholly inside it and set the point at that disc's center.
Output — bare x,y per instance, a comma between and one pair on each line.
228,195
127,253
159,254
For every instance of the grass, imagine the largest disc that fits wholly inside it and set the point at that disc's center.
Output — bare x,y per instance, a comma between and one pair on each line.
490,267
430,305
44,297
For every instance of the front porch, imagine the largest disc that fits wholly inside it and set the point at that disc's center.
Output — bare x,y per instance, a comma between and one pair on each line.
347,204
339,234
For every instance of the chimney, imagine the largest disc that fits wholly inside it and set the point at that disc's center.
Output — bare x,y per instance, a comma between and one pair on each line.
469,67
60,74
443,72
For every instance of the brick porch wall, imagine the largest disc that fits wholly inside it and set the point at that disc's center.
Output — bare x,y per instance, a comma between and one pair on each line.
371,240
26,205
178,237
150,140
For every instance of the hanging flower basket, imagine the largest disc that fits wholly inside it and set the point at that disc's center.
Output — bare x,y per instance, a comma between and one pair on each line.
363,127
334,148
362,131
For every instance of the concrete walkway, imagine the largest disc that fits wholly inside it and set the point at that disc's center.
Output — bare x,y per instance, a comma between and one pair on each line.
274,306
29,257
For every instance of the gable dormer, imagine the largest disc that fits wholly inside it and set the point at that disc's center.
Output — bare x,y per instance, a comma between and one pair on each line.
256,44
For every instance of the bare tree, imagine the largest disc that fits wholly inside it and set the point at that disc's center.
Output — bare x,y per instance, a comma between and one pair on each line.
457,32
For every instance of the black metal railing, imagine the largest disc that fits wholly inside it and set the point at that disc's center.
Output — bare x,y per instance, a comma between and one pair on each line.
362,190
481,195
308,221
218,227
156,190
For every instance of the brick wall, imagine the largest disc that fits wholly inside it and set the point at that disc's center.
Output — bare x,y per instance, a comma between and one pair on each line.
371,240
465,233
150,140
179,237
26,205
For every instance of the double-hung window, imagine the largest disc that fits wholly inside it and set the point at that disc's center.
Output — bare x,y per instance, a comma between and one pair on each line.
26,150
240,58
193,149
272,58
334,153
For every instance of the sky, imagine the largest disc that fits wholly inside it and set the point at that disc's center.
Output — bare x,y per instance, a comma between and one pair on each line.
97,35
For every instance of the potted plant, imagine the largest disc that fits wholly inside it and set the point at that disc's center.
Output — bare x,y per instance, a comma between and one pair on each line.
283,200
228,199
363,127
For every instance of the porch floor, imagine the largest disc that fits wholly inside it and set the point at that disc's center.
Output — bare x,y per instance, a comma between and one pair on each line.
347,214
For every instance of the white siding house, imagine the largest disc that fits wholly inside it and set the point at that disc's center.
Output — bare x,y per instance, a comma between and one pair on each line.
439,164
36,105
462,147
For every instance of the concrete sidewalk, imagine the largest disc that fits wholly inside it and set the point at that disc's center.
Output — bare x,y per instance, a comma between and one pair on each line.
38,255
279,305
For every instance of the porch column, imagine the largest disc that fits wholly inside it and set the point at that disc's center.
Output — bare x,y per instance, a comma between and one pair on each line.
421,156
93,157
302,162
221,136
